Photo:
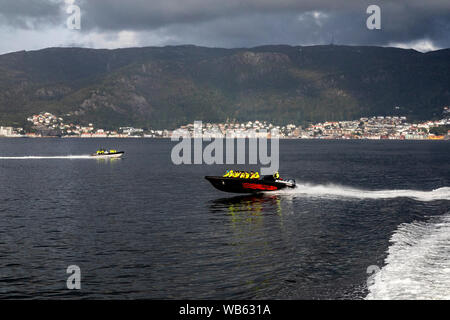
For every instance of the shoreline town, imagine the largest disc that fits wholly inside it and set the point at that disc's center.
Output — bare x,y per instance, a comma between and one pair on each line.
46,124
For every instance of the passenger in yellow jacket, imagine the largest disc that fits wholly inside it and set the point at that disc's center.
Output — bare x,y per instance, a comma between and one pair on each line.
254,175
228,174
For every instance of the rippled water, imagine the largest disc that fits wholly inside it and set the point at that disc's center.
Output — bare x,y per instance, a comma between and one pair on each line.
144,228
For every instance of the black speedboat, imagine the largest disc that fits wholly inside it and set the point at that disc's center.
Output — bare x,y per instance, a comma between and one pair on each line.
240,185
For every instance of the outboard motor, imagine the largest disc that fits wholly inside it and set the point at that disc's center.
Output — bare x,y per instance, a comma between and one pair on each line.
268,178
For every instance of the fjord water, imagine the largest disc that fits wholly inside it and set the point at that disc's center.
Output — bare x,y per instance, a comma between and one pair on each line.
142,227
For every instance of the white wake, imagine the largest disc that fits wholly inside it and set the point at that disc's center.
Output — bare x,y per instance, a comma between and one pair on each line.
338,191
418,263
48,157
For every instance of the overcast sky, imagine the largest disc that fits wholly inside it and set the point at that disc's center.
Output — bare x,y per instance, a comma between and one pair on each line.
34,24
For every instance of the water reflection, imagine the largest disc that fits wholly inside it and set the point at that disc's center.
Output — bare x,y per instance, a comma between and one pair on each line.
248,209
248,206
255,227
111,161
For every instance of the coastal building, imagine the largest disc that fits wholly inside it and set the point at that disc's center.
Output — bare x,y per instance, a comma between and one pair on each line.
6,131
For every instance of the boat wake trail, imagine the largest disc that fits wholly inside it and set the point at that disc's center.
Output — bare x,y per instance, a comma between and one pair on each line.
339,192
47,157
418,263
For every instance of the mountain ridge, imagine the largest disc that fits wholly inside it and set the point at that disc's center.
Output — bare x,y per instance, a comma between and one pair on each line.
164,87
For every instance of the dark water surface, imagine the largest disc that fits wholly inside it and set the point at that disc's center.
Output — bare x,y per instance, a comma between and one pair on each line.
142,227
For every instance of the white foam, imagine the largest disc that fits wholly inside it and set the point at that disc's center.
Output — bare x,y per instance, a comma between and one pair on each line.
338,191
47,157
418,263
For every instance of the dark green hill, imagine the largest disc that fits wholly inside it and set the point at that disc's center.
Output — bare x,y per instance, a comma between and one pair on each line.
168,86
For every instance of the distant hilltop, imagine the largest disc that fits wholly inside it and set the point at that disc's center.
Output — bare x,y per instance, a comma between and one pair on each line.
165,87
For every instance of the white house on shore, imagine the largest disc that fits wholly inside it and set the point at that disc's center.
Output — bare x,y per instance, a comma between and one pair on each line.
6,131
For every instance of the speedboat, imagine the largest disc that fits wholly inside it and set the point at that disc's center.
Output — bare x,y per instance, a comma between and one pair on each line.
243,185
103,154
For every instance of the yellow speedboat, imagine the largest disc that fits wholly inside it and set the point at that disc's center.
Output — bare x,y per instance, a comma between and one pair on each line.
102,153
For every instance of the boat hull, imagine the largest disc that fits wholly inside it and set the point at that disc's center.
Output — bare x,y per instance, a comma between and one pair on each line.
108,156
236,185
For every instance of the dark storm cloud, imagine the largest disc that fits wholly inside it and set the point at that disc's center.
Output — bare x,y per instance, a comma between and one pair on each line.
141,14
232,23
29,14
318,25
